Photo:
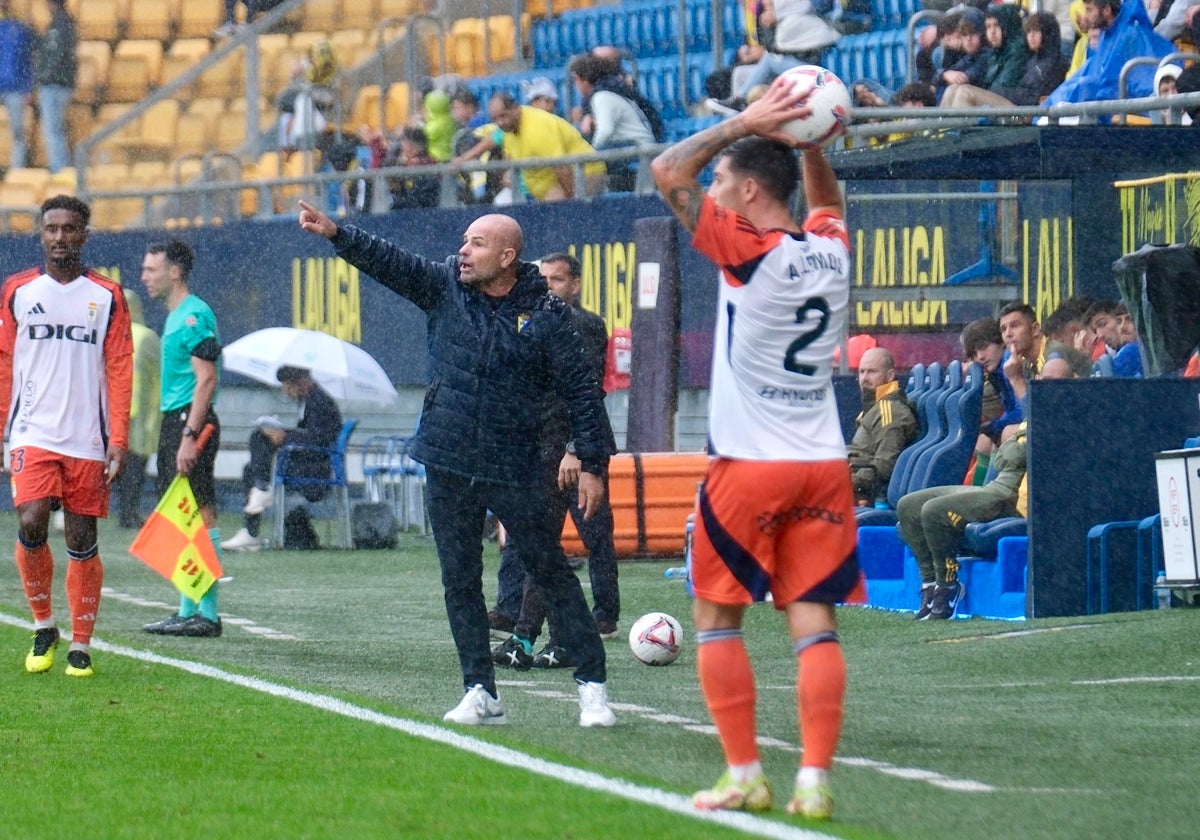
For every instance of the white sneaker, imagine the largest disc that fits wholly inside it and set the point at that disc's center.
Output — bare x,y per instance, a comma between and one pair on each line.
242,541
258,501
478,708
593,705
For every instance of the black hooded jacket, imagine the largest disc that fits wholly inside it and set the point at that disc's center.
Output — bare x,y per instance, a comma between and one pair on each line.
494,362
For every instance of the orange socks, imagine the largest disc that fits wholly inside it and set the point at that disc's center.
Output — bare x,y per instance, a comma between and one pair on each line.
84,579
727,681
820,690
36,567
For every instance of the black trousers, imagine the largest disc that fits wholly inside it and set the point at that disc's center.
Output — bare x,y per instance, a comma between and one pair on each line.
597,536
201,477
457,509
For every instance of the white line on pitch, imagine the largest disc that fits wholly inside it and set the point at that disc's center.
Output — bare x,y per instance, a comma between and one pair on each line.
665,800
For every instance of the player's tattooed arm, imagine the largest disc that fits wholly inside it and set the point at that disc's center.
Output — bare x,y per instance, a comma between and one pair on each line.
677,169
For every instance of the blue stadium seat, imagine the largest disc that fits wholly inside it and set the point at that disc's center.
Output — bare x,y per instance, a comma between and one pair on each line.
946,462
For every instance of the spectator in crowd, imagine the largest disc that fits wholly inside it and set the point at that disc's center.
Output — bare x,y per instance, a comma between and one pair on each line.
191,348
1101,321
17,43
1128,361
410,191
1166,84
561,464
319,423
1189,82
1044,68
540,92
1125,33
499,343
801,34
533,133
55,71
718,85
1067,336
886,425
475,138
65,406
932,522
938,46
971,66
144,416
613,114
1178,19
439,125
307,105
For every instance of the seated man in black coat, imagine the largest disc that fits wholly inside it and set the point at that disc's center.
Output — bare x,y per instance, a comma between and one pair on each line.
319,425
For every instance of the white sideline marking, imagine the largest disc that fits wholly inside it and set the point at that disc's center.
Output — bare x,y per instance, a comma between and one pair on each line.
666,800
1127,680
912,774
246,624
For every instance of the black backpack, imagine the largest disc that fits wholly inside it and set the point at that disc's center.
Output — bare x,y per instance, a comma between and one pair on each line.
298,531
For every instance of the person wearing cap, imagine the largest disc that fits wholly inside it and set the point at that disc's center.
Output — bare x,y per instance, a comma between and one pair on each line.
318,427
529,133
540,92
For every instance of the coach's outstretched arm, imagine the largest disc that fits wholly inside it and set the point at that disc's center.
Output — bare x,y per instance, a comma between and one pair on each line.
677,169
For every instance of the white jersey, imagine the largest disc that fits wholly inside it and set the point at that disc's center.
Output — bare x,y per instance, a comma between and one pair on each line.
59,337
781,310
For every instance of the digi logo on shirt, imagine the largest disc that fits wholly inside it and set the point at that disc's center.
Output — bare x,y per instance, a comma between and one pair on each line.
74,332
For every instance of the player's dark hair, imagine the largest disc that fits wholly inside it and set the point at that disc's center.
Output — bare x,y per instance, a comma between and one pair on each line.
176,252
573,267
769,162
1022,307
70,203
1107,306
979,334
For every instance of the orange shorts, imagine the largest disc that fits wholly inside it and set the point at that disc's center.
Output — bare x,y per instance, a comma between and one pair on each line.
783,527
41,474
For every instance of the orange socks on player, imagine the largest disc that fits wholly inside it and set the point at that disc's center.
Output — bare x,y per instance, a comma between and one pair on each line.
820,690
727,681
36,567
84,579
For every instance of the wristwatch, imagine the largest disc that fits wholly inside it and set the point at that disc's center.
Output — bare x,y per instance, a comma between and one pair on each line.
188,431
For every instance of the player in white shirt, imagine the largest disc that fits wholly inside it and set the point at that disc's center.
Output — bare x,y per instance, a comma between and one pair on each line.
66,380
776,511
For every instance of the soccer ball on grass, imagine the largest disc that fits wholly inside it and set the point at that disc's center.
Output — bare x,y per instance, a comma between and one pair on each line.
655,639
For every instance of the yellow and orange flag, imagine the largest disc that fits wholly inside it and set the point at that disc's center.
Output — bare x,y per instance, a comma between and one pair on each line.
175,543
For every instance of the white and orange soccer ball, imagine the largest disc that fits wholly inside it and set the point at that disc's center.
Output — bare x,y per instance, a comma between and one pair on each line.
830,103
655,639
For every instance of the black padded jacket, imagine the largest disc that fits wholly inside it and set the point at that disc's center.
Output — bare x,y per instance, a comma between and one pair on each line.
494,360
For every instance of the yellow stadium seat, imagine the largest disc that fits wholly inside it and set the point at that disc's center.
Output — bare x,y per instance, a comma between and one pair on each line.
366,109
111,150
148,48
346,41
199,18
18,208
151,174
321,15
98,20
464,47
128,79
156,134
398,8
80,120
34,177
362,14
502,37
62,182
225,78
397,105
183,55
208,106
150,19
92,59
192,134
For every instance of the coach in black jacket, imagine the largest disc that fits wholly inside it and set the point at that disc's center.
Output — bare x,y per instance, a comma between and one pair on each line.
499,341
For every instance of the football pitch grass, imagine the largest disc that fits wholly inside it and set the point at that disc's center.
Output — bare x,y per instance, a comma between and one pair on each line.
318,714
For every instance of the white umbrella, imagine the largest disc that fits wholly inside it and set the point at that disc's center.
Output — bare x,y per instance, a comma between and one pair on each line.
343,369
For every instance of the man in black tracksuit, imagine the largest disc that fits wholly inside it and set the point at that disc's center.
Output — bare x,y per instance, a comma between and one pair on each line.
499,342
